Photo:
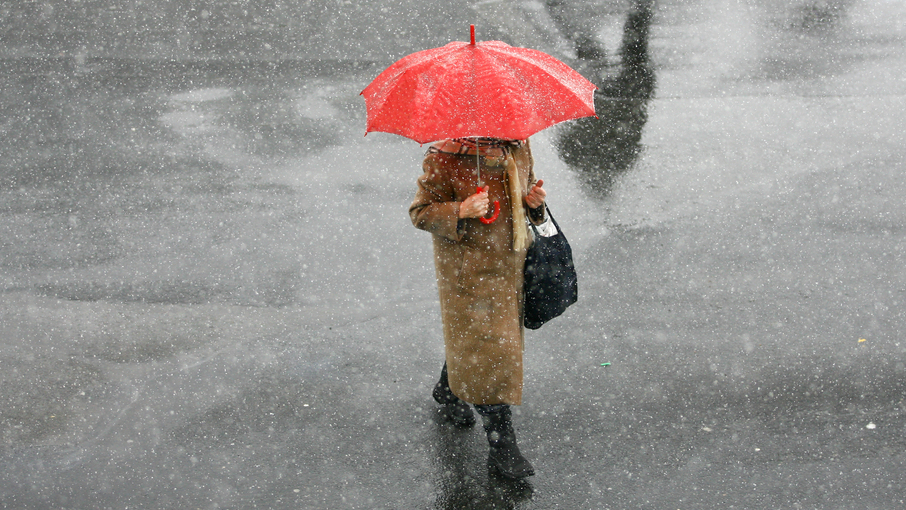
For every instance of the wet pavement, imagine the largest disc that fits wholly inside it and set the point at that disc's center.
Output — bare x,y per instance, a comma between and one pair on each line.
212,296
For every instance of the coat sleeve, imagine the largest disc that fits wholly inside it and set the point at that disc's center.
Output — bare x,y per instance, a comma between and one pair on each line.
435,207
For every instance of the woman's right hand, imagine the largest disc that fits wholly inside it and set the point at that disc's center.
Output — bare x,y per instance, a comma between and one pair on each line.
475,206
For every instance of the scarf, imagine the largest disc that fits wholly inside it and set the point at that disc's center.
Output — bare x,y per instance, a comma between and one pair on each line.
515,188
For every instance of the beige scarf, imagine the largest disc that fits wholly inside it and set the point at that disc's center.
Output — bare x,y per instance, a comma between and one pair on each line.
515,189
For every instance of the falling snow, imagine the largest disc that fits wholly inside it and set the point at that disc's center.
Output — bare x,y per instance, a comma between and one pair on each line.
213,296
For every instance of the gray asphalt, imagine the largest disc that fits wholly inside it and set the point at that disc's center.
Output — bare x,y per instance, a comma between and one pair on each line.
212,296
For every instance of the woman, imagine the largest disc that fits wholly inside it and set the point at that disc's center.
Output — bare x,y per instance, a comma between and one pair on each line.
479,277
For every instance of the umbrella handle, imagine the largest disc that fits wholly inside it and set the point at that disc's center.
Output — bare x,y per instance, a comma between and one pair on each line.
488,221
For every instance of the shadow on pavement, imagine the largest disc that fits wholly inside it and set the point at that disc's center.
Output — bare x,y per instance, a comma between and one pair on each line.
600,149
462,480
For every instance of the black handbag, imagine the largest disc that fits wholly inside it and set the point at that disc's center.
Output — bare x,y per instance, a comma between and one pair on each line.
550,284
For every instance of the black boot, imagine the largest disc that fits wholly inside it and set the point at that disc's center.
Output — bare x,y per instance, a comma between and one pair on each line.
504,456
454,409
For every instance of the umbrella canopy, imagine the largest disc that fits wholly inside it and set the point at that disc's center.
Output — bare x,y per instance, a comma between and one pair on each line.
484,89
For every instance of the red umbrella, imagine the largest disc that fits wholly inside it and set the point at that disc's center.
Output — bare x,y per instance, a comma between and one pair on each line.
488,89
485,89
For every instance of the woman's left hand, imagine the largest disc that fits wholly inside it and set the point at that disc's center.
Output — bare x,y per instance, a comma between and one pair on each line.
535,197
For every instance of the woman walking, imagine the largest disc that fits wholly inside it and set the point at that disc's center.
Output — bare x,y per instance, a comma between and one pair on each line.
479,269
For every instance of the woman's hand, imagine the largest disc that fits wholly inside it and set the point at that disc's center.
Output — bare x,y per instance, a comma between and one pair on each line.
535,197
475,206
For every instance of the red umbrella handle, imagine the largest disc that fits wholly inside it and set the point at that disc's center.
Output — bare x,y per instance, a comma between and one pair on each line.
488,221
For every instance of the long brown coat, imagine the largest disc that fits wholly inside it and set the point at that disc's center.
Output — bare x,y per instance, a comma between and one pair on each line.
479,275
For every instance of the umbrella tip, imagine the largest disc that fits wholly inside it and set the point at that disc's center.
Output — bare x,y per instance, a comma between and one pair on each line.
472,33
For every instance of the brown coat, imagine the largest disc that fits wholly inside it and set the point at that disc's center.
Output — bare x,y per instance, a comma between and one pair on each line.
479,275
